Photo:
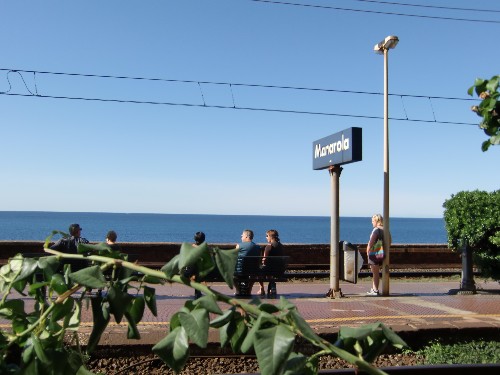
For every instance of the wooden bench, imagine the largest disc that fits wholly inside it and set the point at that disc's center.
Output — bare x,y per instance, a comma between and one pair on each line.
250,270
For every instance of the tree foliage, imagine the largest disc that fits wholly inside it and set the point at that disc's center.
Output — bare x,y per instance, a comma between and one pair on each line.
43,339
473,218
488,109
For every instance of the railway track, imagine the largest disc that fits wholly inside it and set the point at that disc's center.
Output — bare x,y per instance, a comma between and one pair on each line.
397,273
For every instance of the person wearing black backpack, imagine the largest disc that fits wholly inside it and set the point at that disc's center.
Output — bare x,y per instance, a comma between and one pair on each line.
70,245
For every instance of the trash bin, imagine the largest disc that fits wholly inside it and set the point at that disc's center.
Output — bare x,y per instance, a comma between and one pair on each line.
353,261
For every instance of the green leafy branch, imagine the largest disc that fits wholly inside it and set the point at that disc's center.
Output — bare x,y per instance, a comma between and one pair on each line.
488,109
268,330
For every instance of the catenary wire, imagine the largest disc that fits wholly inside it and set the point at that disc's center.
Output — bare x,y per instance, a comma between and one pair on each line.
234,84
277,110
329,7
428,6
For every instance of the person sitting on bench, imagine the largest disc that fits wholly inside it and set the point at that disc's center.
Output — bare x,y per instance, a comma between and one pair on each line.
70,245
246,248
273,248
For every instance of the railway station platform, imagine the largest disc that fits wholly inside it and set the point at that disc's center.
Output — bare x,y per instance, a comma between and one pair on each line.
413,307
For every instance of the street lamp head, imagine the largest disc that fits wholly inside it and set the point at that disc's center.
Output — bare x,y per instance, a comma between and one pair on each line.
388,43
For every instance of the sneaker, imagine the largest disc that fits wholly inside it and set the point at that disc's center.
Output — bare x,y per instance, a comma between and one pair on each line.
372,292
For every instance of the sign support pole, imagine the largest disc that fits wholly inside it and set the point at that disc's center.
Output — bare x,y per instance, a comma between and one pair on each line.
335,291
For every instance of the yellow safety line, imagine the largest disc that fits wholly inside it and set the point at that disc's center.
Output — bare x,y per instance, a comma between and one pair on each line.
88,324
403,317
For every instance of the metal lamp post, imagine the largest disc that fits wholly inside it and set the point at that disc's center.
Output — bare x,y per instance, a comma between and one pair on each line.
383,48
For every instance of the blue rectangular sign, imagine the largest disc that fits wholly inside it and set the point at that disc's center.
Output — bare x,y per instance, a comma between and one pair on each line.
337,149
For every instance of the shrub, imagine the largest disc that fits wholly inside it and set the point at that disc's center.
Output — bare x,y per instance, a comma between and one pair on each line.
473,218
472,352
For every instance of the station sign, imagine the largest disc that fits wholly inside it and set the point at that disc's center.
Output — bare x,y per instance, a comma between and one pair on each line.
340,148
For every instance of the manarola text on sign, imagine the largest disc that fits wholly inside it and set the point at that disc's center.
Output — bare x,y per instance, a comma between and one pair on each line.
332,148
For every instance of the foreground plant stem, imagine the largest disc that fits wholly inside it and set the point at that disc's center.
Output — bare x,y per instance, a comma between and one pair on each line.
326,347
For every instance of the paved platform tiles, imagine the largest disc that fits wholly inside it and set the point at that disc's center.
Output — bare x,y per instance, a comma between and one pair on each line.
411,306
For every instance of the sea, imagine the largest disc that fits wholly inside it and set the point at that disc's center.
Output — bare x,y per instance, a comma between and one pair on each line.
137,227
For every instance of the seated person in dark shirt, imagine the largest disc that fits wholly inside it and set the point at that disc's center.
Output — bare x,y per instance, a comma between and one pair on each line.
111,238
70,245
191,272
246,248
273,248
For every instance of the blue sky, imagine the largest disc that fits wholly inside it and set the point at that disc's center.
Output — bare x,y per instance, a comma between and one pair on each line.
96,156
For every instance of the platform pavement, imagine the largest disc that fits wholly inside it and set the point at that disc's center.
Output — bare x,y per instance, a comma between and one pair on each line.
412,306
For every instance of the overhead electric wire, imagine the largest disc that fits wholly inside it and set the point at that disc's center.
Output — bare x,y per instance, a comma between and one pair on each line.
428,6
372,11
205,105
256,85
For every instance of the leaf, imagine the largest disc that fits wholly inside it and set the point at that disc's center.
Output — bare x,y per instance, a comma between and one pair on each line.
152,280
19,324
48,239
72,321
39,350
368,341
492,84
62,309
12,308
248,342
233,332
49,265
174,321
296,365
173,349
91,277
28,268
20,285
393,338
284,304
57,283
132,331
136,309
100,322
28,352
269,308
190,254
101,248
196,326
208,303
150,298
226,263
118,302
171,268
298,321
222,320
238,334
272,347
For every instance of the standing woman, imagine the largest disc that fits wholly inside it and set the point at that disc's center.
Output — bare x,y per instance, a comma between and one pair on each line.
273,248
377,234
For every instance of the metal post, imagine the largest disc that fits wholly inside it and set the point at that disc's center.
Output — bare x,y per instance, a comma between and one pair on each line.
385,265
334,291
467,284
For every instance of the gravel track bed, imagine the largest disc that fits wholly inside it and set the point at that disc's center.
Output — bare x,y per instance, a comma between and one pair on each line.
150,364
